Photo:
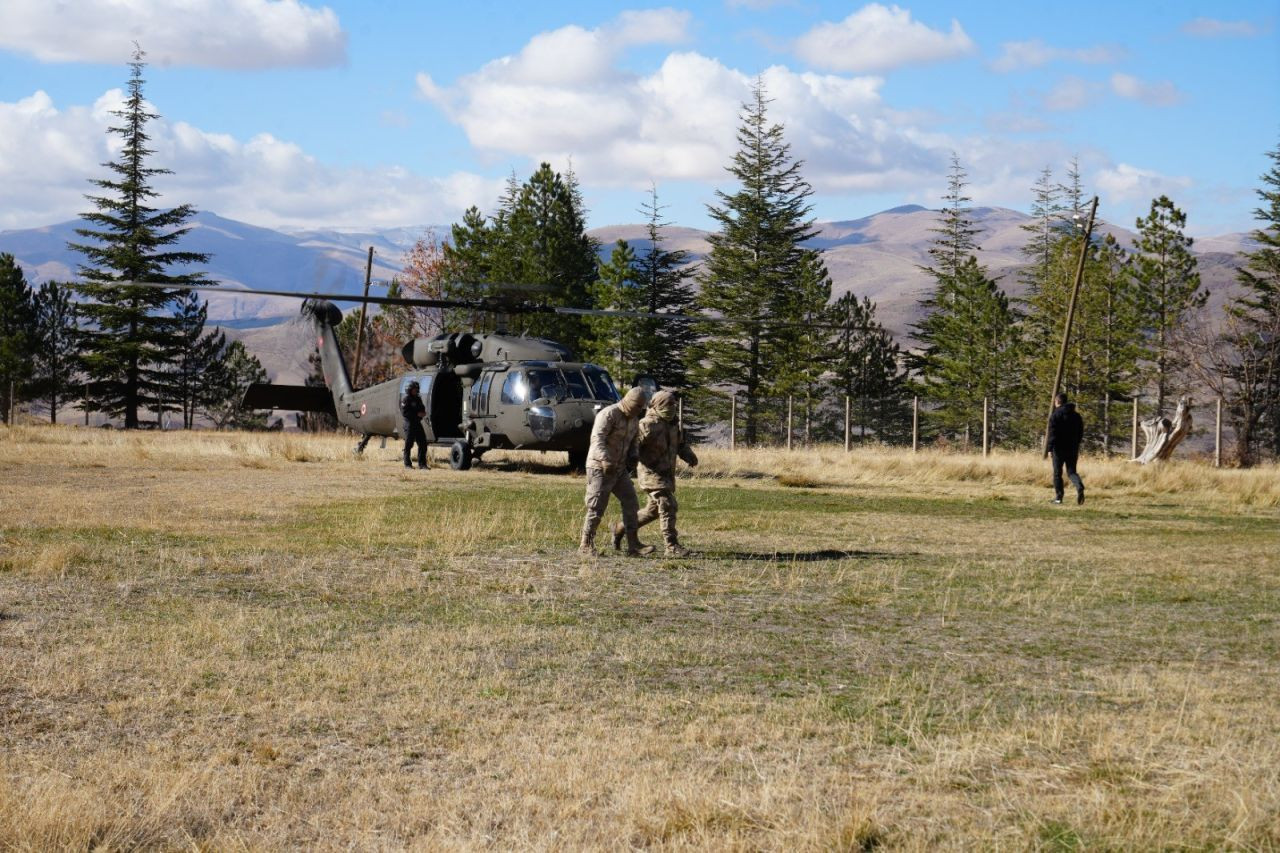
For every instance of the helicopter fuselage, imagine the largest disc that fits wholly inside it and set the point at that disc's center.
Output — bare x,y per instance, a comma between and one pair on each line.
482,392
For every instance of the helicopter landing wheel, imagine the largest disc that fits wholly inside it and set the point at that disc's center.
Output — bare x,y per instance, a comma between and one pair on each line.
460,456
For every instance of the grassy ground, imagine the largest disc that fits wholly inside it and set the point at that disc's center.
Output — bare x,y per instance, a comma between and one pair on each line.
229,641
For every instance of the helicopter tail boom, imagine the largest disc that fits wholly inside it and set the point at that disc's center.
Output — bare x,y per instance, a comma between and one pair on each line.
326,317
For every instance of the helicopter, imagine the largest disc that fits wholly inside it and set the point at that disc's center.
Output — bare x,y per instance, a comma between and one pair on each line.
482,391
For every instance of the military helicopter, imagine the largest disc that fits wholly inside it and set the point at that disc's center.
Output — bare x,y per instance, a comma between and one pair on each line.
482,391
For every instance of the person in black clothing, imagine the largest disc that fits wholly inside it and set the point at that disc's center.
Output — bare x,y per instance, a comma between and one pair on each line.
1066,428
413,410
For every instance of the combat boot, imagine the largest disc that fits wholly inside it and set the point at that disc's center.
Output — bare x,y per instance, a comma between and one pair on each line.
618,532
675,549
636,548
587,545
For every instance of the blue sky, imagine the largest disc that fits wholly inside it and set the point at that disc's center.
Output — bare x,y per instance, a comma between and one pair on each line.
298,114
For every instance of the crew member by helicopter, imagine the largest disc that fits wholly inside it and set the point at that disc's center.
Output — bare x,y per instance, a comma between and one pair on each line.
414,410
661,441
613,448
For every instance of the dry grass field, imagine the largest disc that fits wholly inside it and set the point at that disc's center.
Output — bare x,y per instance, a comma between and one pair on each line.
224,641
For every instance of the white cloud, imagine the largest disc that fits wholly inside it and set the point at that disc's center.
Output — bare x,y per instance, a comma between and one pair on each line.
1035,53
243,34
1159,94
1129,183
677,123
264,180
878,38
1214,28
1072,93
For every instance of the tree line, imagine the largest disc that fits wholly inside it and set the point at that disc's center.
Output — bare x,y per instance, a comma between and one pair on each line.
116,349
778,338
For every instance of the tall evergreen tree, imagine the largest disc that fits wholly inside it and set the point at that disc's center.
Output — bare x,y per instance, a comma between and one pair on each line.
127,331
17,333
665,278
195,356
54,347
867,368
955,229
1254,331
755,261
968,335
615,341
537,238
237,368
1168,284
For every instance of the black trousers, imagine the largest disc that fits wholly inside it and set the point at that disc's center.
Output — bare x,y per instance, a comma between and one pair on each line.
415,434
1069,462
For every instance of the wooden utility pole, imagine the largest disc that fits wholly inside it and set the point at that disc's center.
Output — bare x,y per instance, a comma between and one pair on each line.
986,444
915,424
733,421
368,275
847,427
1133,439
1217,438
1071,313
788,422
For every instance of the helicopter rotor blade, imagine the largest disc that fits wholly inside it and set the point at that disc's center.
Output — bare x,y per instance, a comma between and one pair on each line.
493,305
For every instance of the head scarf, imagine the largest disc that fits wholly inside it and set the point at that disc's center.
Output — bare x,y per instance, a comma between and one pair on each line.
665,405
633,403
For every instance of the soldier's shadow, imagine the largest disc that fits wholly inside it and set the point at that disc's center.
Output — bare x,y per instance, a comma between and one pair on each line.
825,555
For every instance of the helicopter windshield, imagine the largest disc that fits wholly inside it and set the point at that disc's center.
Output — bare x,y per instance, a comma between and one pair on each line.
545,382
602,386
590,383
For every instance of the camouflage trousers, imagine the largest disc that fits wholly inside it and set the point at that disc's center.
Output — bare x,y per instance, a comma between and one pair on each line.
600,485
662,505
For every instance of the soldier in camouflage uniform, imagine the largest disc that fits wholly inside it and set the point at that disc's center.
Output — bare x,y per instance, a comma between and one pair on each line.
661,441
612,454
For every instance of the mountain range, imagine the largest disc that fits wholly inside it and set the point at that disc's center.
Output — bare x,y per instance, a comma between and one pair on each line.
877,256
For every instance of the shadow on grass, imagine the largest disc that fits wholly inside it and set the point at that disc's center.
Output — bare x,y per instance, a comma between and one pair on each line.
799,556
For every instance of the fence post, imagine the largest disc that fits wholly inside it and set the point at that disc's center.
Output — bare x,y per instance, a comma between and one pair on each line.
847,427
986,445
1133,439
788,422
915,424
733,421
1217,438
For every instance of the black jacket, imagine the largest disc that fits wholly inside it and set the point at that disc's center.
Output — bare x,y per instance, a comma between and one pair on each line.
413,410
1066,428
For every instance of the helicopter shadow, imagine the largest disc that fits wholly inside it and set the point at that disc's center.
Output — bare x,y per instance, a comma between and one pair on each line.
821,556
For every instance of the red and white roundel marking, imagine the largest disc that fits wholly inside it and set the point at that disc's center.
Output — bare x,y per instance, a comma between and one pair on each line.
364,407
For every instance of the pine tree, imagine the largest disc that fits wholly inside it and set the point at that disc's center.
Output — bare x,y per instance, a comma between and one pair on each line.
615,341
866,368
548,243
665,279
756,259
1254,331
54,350
194,358
802,351
968,336
956,229
1164,270
237,368
17,332
127,331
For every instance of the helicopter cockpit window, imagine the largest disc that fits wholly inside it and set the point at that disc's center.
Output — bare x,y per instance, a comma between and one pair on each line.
577,385
602,387
545,382
515,390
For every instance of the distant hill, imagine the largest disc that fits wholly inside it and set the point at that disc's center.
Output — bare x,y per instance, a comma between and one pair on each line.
876,256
